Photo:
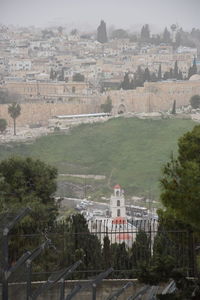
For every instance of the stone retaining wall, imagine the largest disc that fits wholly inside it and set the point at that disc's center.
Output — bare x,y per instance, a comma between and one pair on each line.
18,291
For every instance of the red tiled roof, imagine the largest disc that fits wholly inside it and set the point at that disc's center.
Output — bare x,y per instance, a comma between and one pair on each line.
117,186
119,220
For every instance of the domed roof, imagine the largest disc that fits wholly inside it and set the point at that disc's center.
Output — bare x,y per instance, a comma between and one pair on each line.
195,77
119,220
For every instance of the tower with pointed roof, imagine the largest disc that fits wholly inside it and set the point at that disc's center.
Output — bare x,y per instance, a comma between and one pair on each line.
117,203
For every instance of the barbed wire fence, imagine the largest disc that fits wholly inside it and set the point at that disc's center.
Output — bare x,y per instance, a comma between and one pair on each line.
180,245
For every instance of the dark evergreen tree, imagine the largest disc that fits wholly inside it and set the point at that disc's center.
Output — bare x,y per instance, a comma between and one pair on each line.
3,125
102,33
194,66
180,180
176,71
61,76
174,108
159,73
171,73
192,69
166,76
166,36
156,39
26,182
85,242
195,101
52,74
139,77
107,106
145,33
140,251
154,78
4,97
120,259
147,76
78,77
106,253
180,75
178,39
126,83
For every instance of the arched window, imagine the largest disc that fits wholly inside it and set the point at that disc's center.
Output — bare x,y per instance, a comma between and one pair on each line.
118,202
118,213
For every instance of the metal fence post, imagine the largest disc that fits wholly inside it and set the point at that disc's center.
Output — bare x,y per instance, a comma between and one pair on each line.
192,254
94,291
28,283
5,265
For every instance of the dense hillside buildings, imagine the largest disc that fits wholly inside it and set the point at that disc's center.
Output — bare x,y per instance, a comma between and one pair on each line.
40,67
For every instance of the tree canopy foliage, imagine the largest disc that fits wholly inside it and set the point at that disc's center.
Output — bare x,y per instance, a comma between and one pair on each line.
7,97
78,77
28,183
3,125
107,106
195,101
119,34
180,180
4,97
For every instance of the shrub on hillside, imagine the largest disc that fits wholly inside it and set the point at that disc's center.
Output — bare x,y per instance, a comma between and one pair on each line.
195,101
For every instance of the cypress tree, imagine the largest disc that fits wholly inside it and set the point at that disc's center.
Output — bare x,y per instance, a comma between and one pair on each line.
166,36
180,75
159,73
174,108
171,73
106,253
176,70
193,69
101,33
147,76
145,33
125,83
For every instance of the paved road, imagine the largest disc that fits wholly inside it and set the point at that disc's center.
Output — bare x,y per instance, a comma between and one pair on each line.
72,202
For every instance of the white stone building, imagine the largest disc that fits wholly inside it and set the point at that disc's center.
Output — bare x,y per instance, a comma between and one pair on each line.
116,227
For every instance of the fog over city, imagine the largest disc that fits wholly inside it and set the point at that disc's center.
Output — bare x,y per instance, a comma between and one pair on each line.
85,14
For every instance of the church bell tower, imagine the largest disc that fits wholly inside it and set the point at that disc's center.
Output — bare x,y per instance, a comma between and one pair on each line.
117,203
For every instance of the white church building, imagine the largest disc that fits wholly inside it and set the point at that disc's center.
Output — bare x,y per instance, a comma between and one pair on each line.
116,227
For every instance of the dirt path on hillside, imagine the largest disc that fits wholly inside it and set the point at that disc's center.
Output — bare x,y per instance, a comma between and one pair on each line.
90,176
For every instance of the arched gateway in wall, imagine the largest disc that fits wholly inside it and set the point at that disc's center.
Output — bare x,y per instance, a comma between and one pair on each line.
121,109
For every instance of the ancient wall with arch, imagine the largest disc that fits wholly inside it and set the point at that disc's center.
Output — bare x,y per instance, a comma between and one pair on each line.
153,97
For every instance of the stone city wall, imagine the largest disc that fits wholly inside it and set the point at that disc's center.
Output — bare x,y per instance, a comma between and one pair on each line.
40,112
153,97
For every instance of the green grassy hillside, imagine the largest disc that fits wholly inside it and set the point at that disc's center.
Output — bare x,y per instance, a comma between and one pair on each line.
128,151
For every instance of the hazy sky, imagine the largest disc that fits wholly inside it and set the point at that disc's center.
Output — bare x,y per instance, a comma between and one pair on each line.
120,13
